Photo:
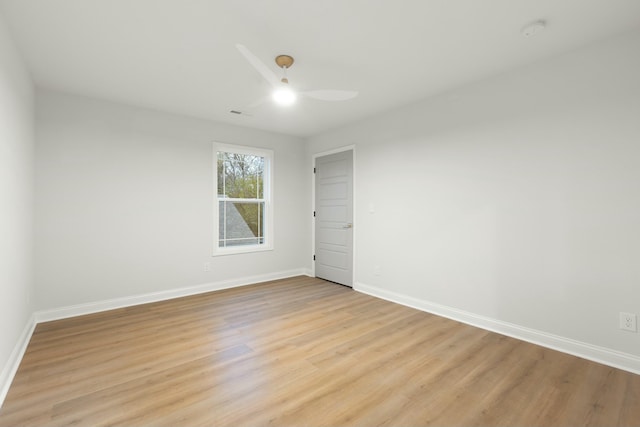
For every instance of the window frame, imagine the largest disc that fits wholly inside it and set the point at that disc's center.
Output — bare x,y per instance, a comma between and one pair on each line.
267,197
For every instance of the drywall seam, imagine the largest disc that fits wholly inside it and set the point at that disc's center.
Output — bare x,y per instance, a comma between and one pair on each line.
605,356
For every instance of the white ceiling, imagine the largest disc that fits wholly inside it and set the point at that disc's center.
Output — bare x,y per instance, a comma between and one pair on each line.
179,55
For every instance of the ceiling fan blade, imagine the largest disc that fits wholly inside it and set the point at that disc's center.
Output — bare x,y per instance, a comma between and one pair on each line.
265,71
331,95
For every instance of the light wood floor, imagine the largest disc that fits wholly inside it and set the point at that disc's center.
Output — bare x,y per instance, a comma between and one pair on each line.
302,352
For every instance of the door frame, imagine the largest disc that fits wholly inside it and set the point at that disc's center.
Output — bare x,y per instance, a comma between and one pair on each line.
351,148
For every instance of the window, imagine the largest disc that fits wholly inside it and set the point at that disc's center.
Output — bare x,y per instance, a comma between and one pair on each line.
243,208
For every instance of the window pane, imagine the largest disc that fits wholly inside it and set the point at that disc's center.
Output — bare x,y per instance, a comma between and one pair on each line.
240,223
240,176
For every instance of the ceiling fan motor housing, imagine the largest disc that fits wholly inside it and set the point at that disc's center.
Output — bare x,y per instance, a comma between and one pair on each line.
285,61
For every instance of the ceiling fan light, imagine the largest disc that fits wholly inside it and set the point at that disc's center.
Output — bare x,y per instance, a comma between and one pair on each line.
284,96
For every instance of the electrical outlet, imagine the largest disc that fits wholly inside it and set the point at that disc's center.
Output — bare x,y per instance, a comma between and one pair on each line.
628,322
207,266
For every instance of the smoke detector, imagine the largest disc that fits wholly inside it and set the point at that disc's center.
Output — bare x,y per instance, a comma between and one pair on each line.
534,28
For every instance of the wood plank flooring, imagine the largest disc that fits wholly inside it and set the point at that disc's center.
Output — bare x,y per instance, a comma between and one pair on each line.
302,352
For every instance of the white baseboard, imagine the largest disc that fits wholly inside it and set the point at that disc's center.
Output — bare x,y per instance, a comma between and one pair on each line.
616,359
98,306
11,367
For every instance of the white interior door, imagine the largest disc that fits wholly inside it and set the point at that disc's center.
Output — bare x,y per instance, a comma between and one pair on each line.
334,217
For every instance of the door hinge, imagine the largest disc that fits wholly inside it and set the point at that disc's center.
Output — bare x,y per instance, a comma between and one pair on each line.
314,214
314,257
314,170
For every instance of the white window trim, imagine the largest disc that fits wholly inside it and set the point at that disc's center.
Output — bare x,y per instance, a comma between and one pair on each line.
268,198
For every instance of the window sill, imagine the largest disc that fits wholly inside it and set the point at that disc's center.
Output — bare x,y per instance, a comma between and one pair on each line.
243,250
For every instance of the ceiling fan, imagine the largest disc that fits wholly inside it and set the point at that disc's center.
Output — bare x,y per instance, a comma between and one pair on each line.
282,93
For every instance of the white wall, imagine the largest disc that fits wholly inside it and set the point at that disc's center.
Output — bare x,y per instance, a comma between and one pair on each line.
124,202
16,202
515,198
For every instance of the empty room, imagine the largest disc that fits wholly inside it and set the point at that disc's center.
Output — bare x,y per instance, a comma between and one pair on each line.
319,213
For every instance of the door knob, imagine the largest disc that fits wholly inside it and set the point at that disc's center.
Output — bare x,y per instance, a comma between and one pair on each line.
349,225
